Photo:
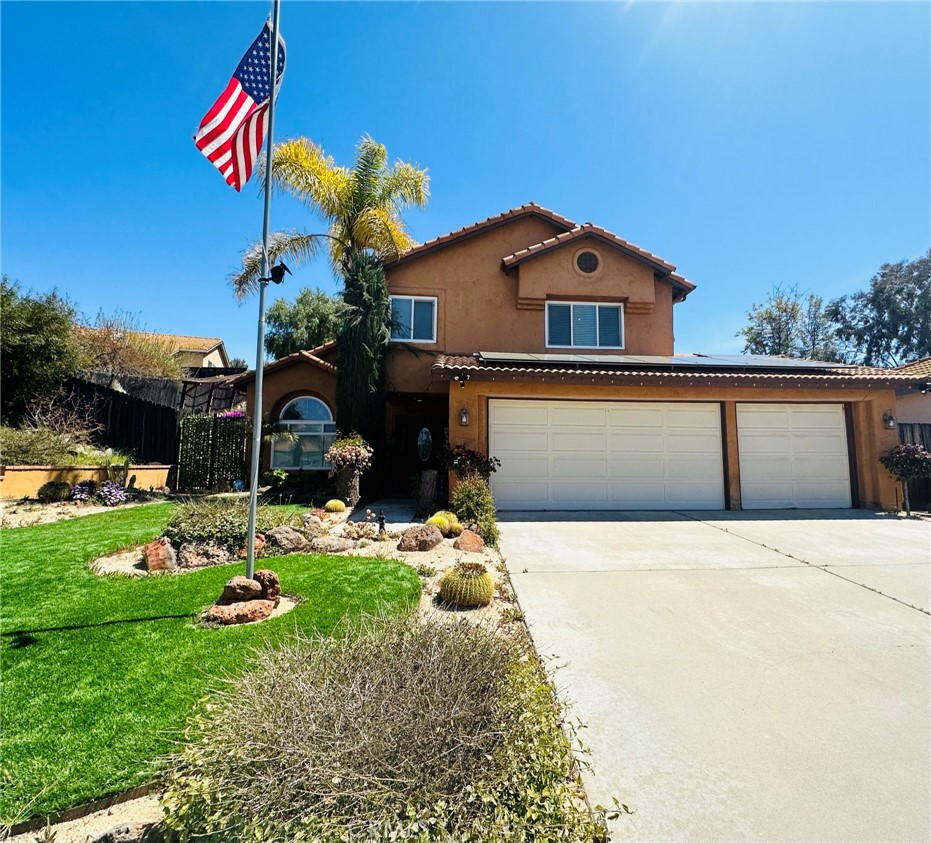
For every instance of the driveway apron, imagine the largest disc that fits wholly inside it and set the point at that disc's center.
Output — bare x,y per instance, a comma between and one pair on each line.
742,676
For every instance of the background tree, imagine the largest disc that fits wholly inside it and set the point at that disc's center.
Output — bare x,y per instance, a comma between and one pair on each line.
37,346
117,346
790,325
238,363
362,207
313,319
890,323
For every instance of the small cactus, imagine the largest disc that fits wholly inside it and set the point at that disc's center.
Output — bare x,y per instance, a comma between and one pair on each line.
334,505
455,529
441,523
468,585
449,516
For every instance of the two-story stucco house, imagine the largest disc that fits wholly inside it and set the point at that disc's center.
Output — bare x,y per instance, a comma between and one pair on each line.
549,345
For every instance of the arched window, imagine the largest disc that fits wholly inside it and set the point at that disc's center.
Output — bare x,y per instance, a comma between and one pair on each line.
310,422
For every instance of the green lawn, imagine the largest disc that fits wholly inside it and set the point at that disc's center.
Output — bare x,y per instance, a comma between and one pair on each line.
99,673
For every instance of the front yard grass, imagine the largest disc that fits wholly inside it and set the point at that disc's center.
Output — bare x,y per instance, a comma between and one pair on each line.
99,673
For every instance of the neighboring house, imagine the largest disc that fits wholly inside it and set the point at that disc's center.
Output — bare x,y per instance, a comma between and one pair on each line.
913,401
550,346
194,352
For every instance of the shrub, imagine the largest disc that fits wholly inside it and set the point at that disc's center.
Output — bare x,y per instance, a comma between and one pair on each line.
350,452
467,585
274,477
33,446
111,494
395,730
224,522
907,462
83,491
334,505
473,503
466,462
53,491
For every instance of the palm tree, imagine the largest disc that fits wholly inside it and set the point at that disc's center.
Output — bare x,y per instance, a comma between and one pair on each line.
362,207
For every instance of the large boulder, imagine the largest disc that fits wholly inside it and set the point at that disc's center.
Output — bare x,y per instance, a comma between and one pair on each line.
331,544
469,542
234,613
240,589
287,540
159,555
424,537
131,833
271,585
202,555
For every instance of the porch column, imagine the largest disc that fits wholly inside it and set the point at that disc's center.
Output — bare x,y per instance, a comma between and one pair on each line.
731,455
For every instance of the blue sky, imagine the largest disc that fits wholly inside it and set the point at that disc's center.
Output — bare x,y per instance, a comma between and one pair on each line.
748,144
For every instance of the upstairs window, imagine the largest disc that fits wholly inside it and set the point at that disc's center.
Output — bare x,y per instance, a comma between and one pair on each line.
413,318
578,325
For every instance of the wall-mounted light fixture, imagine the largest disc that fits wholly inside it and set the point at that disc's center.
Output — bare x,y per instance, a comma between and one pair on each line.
461,378
464,417
889,420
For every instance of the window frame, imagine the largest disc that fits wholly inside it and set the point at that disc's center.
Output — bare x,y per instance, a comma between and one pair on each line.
322,434
413,299
597,305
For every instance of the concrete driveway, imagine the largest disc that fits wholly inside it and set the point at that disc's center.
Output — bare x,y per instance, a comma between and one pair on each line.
743,676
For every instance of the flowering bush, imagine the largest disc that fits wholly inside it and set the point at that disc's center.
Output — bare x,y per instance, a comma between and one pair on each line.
111,494
84,490
465,462
232,414
352,452
907,462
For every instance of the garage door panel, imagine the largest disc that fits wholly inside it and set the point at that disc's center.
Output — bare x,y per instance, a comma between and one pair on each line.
609,455
523,415
579,467
641,468
793,456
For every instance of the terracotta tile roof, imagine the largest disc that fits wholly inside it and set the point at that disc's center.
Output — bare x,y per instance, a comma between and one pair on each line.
446,365
530,209
290,360
178,342
590,230
918,368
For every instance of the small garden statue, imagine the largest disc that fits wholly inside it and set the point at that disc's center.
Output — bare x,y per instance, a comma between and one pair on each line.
907,462
348,458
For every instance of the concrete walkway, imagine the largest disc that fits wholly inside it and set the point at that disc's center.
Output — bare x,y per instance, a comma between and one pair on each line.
743,676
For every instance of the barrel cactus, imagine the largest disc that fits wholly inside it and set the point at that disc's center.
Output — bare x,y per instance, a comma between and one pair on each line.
447,523
441,523
468,585
335,505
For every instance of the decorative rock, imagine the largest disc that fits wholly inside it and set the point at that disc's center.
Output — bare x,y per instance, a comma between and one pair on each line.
202,555
271,585
234,613
331,544
312,522
469,542
240,589
131,833
159,555
287,539
422,538
259,546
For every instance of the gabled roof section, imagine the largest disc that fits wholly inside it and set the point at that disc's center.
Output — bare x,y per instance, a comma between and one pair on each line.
662,267
531,209
918,368
307,357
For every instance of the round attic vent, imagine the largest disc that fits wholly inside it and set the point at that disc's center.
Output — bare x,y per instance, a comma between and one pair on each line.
587,262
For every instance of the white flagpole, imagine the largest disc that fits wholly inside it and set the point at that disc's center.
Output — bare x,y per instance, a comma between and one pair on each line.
260,345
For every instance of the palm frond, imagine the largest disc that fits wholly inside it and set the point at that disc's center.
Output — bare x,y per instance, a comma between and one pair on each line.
378,230
366,175
293,245
403,186
301,168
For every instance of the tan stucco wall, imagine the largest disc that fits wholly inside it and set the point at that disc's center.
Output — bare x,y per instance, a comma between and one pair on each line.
22,481
478,305
914,408
875,486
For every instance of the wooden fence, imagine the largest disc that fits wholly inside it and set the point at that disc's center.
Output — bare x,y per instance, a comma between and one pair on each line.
919,491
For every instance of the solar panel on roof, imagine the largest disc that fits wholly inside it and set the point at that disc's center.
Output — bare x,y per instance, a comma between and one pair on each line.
719,361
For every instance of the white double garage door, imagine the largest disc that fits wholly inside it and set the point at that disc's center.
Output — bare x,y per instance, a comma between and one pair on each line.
617,455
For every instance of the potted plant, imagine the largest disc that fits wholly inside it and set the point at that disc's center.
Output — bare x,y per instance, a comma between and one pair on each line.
348,458
907,462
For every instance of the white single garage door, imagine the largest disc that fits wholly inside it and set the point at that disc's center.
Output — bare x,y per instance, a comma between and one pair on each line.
606,455
793,456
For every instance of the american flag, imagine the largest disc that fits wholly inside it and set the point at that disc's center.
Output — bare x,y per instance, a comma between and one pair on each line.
232,132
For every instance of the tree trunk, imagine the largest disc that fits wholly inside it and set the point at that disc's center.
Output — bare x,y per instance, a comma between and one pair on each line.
347,486
427,498
908,507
